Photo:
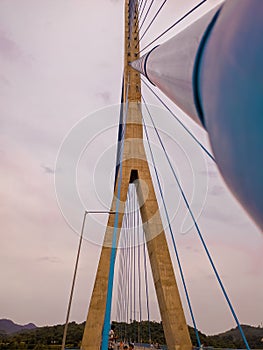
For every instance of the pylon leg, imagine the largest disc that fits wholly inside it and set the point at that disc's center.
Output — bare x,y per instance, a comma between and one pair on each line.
135,168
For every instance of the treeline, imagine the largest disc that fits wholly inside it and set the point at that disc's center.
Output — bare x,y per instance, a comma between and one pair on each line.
43,338
50,338
233,339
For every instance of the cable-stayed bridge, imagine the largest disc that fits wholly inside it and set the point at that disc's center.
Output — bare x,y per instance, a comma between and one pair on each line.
135,243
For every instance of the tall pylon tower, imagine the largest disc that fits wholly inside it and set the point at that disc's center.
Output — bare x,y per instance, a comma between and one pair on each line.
135,169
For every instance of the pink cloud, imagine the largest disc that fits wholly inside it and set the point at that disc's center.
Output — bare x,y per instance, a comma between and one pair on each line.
8,48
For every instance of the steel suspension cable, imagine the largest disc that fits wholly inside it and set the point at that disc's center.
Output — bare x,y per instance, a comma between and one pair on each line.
131,259
127,284
120,300
127,273
140,5
134,258
170,229
120,275
173,25
149,8
139,267
126,279
141,13
146,286
201,237
123,267
179,121
129,264
153,19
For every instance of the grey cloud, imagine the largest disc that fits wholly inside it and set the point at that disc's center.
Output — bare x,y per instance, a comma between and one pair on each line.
8,48
212,276
47,169
210,173
217,190
214,214
50,259
105,96
4,81
194,250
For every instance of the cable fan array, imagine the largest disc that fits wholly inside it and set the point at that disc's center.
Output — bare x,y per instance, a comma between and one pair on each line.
131,287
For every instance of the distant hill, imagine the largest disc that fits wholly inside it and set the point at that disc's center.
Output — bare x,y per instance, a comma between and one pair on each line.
232,338
9,327
249,330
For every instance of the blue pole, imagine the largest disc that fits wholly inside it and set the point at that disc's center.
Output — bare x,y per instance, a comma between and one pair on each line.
106,326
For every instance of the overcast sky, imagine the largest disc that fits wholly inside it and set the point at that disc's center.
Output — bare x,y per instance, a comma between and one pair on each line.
61,69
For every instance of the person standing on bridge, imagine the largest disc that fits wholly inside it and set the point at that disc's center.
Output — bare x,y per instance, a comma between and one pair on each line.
131,346
111,338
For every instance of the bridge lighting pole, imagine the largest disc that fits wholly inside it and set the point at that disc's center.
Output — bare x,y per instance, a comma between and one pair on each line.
76,269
